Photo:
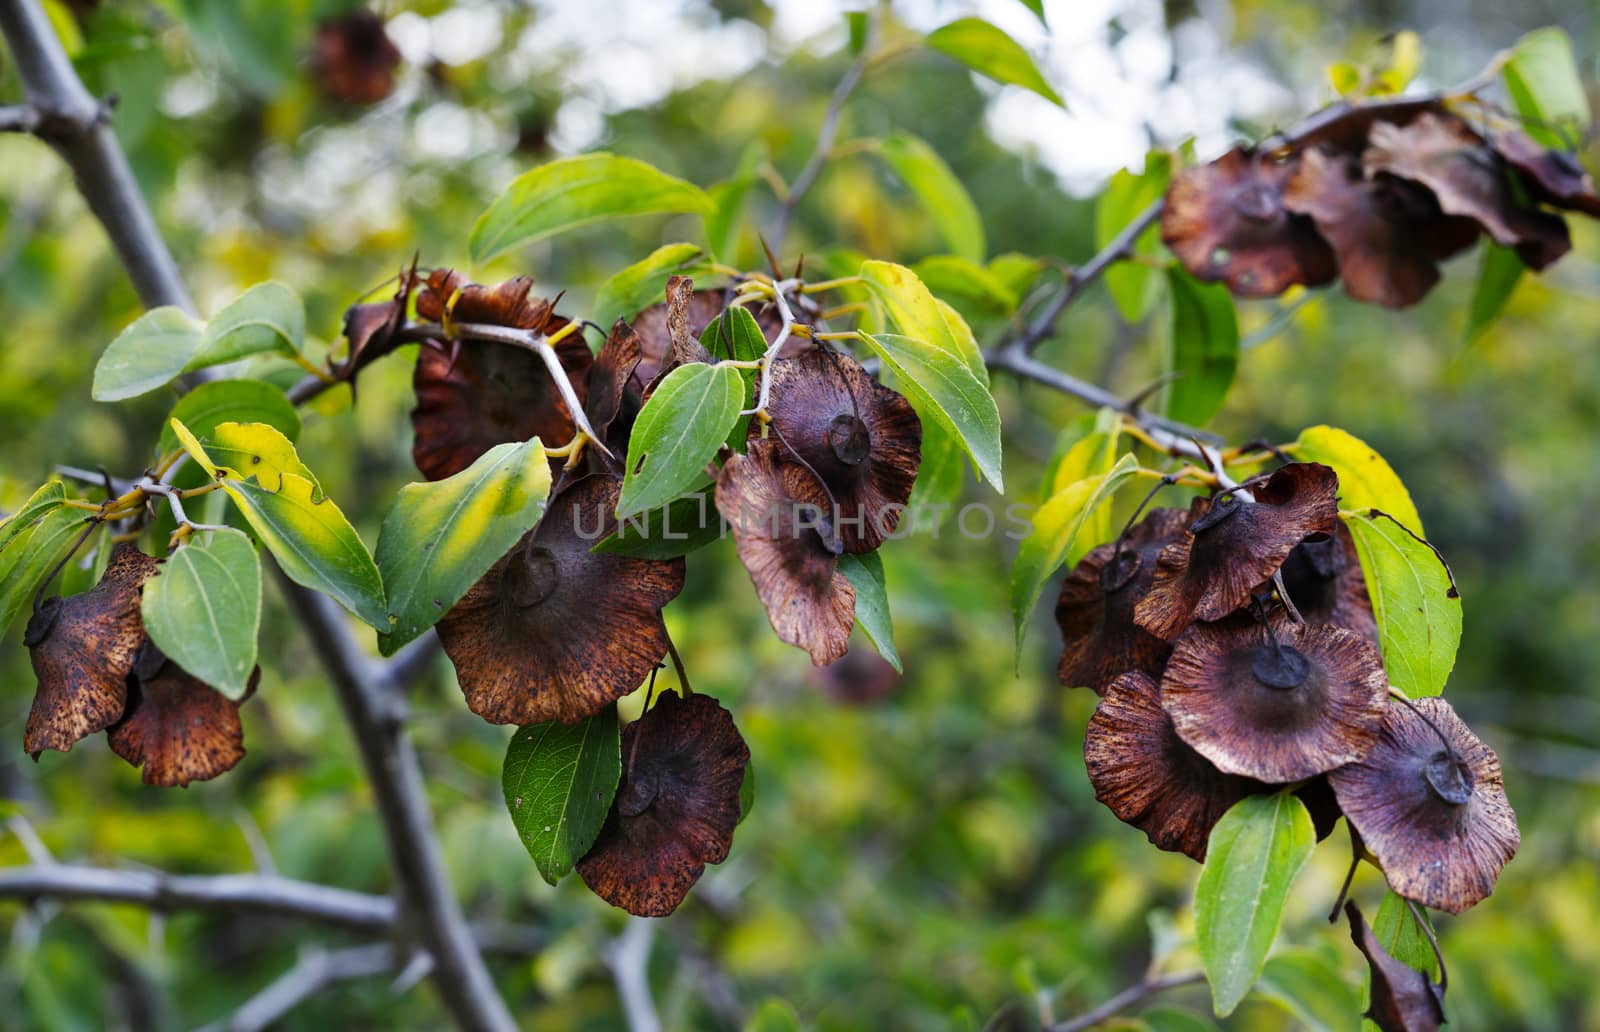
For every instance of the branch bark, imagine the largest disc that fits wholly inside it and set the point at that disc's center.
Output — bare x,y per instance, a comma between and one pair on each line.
1129,997
313,971
808,174
251,893
90,149
377,720
92,152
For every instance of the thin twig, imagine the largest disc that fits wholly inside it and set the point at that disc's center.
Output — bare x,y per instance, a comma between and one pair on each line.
92,152
829,129
1120,246
1129,997
313,971
629,960
1019,363
20,118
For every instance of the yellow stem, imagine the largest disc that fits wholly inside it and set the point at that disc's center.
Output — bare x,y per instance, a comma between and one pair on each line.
306,364
821,285
563,333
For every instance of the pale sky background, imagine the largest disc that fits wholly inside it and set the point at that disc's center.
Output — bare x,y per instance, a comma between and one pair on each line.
1116,97
616,55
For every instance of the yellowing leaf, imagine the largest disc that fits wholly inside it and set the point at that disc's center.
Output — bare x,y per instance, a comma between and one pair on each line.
313,543
259,450
941,387
1365,479
1055,535
440,537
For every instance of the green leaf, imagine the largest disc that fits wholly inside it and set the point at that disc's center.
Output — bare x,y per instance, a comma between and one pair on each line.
439,538
735,334
210,405
268,317
1085,447
30,555
203,609
774,1015
1365,480
1547,89
306,533
1416,605
678,431
727,200
747,791
1204,347
1017,271
1056,528
941,387
1400,934
46,499
856,24
950,274
865,574
155,348
1036,6
1172,1019
683,526
559,781
1134,286
989,51
1256,851
925,174
1304,983
572,192
640,285
940,477
1498,275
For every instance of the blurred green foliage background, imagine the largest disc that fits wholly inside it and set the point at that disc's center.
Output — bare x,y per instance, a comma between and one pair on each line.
932,858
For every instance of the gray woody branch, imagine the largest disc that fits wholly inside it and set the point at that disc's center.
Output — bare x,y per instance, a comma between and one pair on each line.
78,131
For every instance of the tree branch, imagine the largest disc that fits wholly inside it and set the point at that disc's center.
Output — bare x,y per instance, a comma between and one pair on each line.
252,893
1129,997
628,957
81,134
376,719
313,971
1044,324
808,174
1018,362
107,184
20,118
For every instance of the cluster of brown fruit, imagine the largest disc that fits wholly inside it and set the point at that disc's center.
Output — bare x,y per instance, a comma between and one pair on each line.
556,631
1235,651
99,671
1377,195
